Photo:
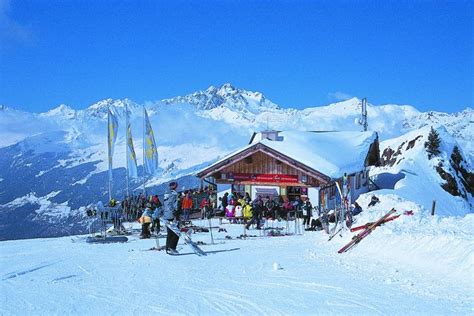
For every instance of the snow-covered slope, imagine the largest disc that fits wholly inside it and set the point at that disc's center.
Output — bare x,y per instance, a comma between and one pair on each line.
63,150
408,174
389,273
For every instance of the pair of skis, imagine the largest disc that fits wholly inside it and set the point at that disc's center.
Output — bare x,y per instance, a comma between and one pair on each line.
197,250
343,215
357,238
389,219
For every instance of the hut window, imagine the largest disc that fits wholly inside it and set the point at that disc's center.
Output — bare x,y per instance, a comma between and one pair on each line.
239,189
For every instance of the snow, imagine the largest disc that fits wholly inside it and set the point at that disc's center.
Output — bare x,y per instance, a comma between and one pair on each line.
331,153
418,264
226,96
62,110
392,271
47,209
421,183
194,131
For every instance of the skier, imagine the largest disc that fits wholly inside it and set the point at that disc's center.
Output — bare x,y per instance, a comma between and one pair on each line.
229,210
307,207
374,200
170,209
145,220
297,205
257,207
287,207
187,205
270,208
356,209
225,201
156,220
247,211
212,200
247,198
204,206
238,212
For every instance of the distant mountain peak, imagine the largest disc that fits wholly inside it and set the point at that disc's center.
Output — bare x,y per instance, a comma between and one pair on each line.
61,110
225,96
115,103
99,109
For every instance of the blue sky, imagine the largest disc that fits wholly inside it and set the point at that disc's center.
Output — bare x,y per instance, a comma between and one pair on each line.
298,53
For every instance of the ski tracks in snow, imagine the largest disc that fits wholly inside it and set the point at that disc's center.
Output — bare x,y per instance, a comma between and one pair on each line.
227,302
12,275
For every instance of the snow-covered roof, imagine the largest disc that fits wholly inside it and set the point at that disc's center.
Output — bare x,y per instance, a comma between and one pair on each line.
330,153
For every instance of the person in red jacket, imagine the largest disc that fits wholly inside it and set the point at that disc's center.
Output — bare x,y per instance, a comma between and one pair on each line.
287,207
187,205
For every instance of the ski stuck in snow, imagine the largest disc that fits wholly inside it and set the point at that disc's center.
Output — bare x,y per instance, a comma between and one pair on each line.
357,238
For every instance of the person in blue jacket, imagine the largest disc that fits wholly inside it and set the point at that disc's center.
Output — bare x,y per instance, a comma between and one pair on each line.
170,211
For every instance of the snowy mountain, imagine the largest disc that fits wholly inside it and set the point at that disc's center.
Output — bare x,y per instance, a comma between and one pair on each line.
225,96
55,162
62,112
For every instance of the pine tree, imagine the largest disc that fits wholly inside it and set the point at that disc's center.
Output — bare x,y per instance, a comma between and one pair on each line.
432,145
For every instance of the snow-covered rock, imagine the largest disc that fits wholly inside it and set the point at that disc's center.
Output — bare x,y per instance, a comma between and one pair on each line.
408,173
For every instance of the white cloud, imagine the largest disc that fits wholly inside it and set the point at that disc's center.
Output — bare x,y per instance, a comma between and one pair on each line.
339,96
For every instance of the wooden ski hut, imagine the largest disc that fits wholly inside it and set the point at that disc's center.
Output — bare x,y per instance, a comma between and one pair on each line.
291,163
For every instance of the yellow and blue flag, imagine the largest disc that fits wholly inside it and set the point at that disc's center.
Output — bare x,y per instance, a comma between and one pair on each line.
151,153
112,128
131,156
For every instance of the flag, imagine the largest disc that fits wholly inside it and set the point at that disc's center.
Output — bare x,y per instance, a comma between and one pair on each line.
131,156
111,137
151,154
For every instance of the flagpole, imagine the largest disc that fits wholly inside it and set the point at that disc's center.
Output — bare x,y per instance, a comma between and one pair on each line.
127,145
109,149
144,141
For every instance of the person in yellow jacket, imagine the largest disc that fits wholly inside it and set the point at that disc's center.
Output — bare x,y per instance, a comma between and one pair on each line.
247,211
146,220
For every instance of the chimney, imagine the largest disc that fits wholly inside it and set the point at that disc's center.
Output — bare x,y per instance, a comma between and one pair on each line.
272,135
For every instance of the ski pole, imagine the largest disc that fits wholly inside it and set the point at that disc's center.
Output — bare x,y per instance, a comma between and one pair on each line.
210,230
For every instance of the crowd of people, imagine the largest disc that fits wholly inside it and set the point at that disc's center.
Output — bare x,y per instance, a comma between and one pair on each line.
179,207
241,208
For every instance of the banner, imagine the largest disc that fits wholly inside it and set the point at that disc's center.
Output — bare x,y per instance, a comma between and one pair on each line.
131,156
111,137
151,153
276,178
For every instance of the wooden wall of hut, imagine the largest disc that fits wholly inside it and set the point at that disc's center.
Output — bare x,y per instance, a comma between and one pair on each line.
261,163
